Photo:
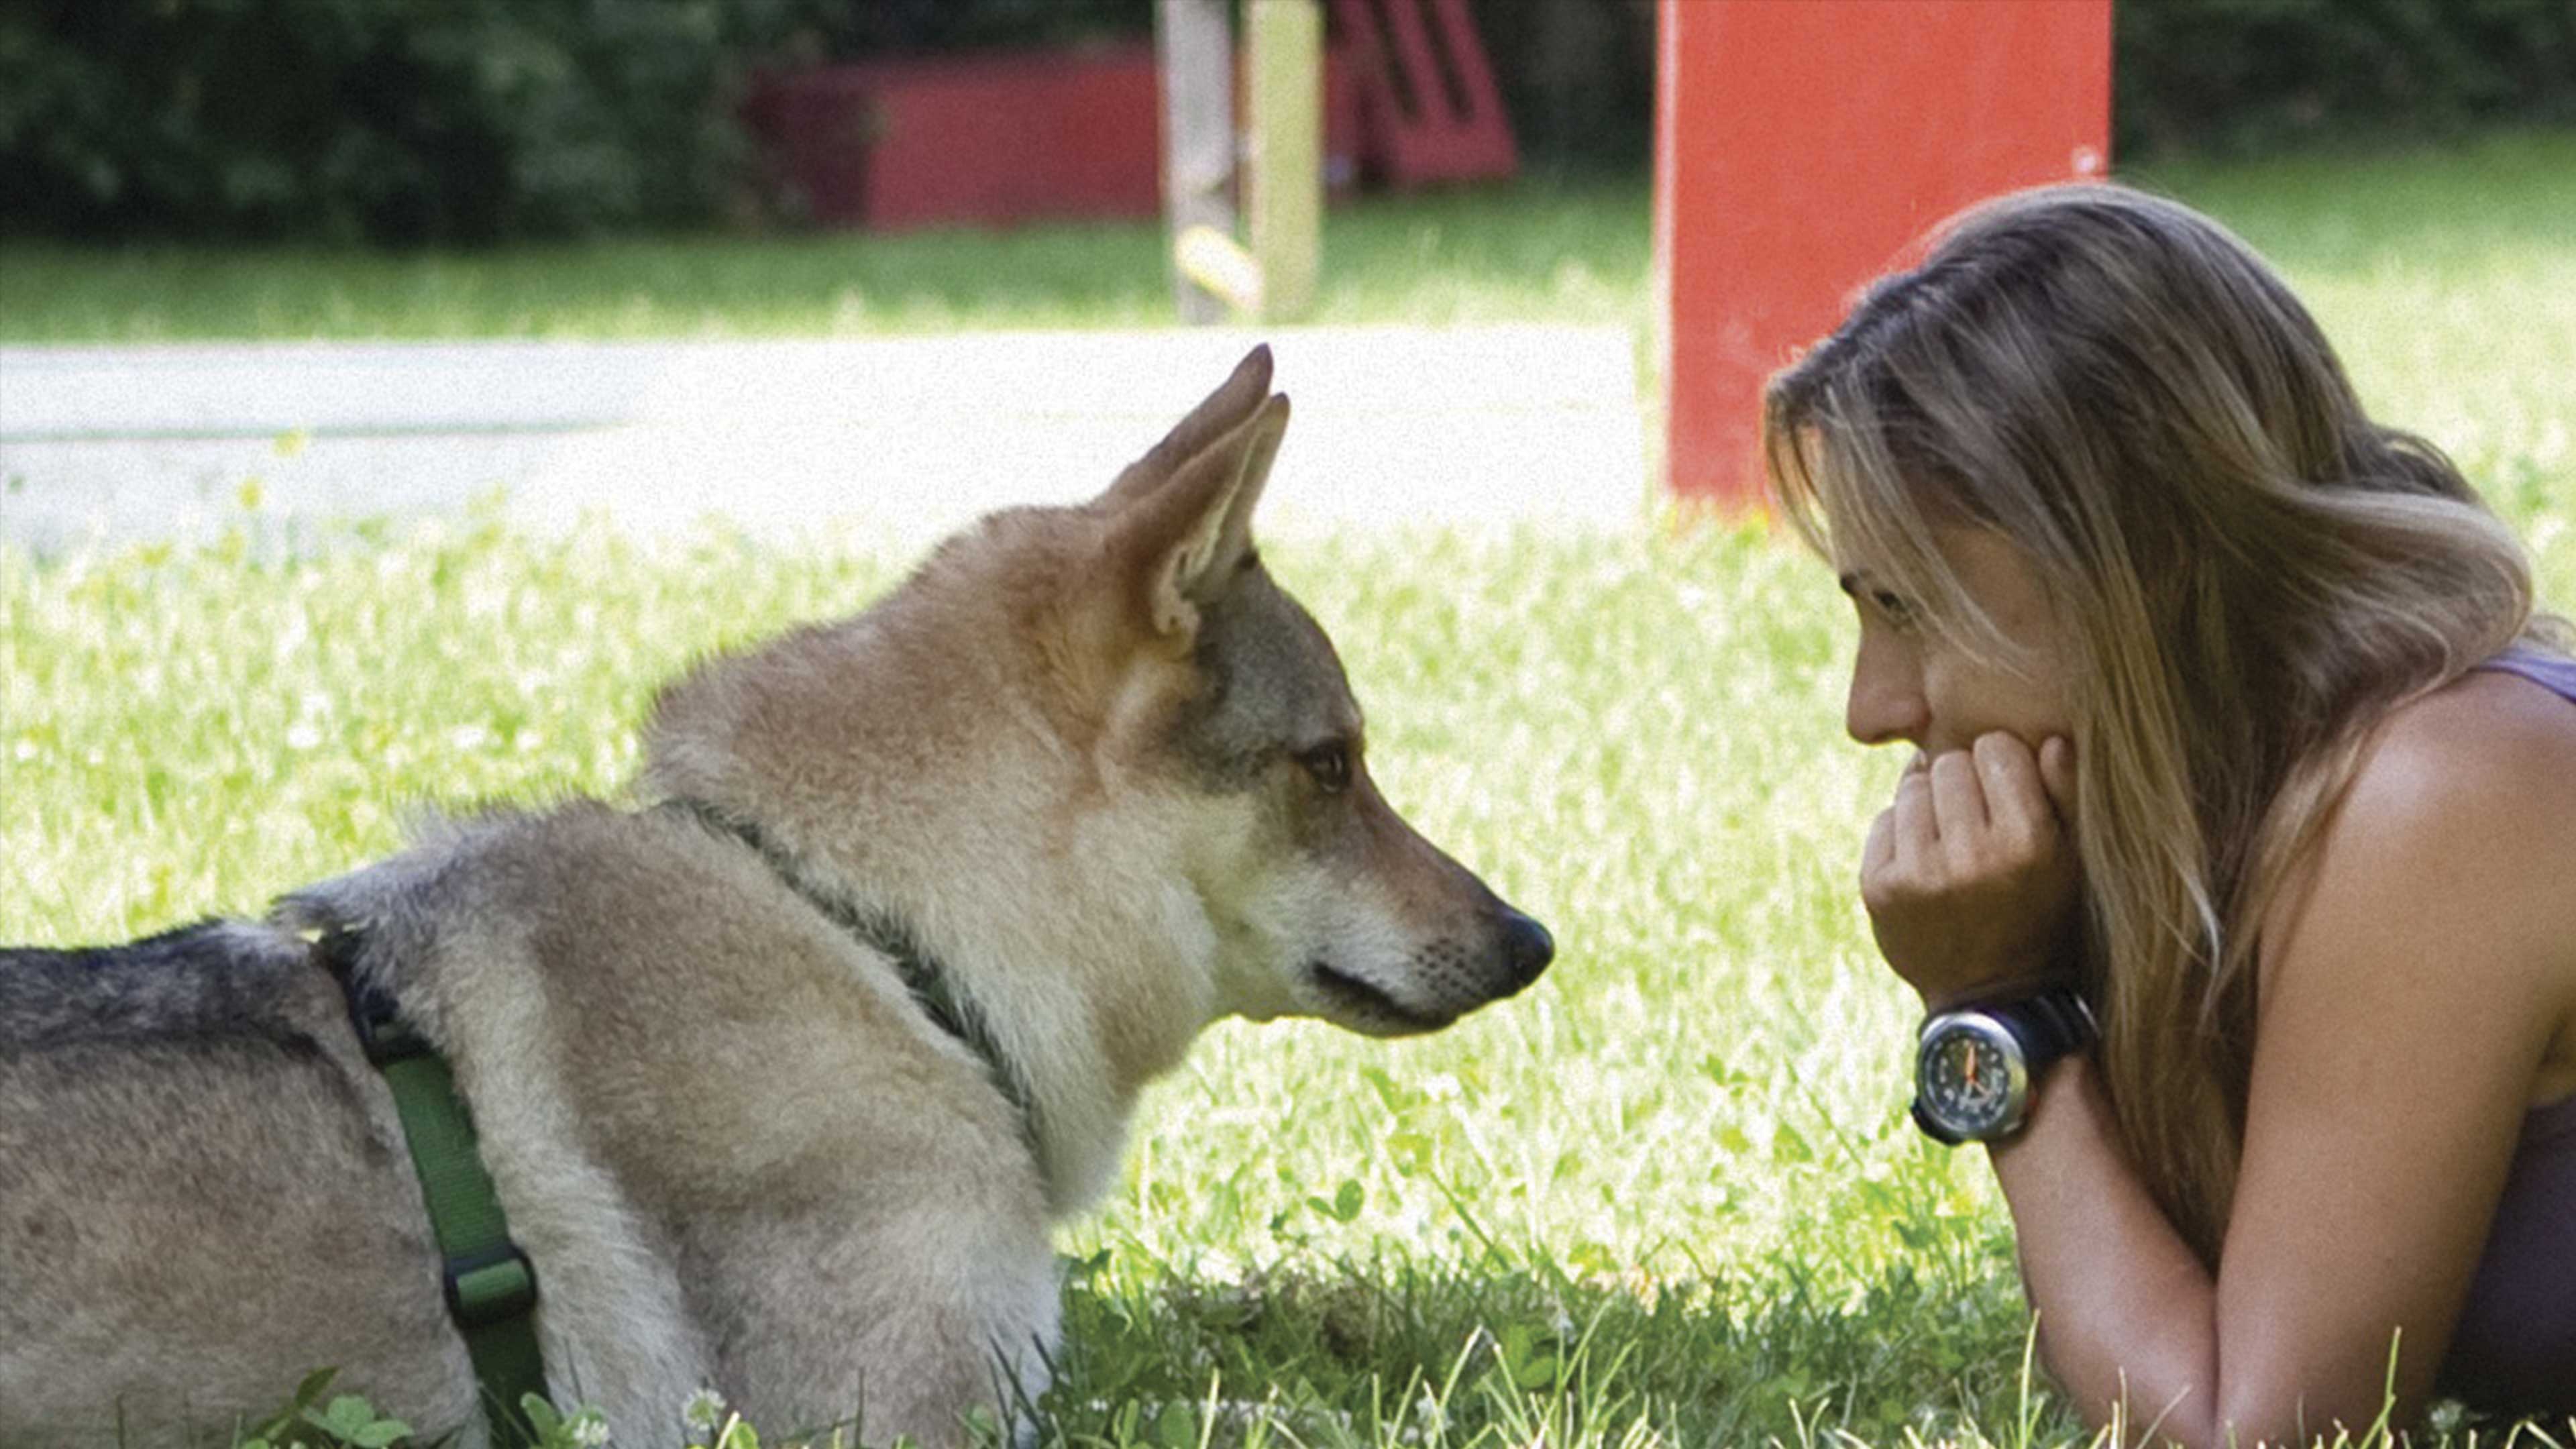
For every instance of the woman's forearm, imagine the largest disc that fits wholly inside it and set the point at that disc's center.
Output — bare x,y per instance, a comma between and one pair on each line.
2127,1315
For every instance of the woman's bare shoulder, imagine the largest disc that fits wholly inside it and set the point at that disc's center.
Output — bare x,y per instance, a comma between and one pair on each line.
2463,800
2460,819
2490,747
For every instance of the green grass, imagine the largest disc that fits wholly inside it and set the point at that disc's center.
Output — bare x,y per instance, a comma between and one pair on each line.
2446,278
1667,1196
1513,254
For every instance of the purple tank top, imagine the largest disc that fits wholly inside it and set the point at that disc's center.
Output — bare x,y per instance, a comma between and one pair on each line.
2515,1348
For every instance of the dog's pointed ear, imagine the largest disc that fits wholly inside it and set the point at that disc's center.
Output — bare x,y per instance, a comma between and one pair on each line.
1218,414
1177,547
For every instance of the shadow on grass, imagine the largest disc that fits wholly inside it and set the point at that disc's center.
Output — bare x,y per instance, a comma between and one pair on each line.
1376,1356
1527,1356
1383,1355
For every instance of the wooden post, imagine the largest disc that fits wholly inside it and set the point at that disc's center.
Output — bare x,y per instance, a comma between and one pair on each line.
1285,193
1195,44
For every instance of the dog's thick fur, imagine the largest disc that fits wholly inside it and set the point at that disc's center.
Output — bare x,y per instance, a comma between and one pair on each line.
1092,760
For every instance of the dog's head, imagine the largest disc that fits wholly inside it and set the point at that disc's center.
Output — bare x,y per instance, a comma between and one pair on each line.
1234,704
1111,712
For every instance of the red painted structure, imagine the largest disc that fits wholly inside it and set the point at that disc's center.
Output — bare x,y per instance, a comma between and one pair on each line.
997,138
1802,145
978,138
993,139
1429,108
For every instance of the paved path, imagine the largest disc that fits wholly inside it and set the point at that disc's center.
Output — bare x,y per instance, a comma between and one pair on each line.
906,438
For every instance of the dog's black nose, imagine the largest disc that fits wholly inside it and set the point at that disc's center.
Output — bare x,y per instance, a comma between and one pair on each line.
1527,948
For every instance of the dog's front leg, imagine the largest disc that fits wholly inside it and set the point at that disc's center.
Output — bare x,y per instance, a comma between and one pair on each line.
904,1325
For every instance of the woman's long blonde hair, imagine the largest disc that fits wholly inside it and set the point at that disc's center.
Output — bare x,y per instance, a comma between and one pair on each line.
2250,573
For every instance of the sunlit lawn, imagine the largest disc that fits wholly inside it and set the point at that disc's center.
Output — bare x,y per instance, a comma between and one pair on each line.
1575,251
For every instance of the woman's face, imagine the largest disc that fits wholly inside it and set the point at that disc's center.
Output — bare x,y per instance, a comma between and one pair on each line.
1909,684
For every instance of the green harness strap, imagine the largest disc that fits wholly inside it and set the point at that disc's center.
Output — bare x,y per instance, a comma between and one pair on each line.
491,1289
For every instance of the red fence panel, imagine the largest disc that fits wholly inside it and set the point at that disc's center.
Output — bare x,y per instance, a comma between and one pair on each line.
992,139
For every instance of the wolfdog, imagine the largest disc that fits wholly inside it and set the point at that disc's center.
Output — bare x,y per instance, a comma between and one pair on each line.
780,1070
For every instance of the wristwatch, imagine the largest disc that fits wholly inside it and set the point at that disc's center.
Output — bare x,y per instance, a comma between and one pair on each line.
1976,1067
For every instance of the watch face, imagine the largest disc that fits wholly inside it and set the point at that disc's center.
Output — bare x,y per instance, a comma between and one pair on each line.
1970,1077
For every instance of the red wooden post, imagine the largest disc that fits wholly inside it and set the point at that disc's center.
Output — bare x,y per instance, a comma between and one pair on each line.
1800,145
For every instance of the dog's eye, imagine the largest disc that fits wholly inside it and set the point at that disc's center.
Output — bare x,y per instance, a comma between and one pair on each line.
1330,765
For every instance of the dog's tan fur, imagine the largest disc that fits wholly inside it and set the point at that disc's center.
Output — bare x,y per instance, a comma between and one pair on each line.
1085,756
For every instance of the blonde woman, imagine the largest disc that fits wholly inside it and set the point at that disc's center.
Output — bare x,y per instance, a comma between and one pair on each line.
2236,864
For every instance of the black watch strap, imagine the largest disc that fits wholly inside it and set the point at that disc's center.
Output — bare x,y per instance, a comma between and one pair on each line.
2050,1024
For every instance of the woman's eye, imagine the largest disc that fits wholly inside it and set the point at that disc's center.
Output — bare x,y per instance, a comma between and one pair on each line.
1330,765
1892,607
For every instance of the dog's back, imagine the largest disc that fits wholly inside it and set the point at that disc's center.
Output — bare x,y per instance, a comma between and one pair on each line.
672,1059
198,1088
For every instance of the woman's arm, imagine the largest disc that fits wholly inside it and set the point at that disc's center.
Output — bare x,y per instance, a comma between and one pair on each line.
2416,985
2292,1339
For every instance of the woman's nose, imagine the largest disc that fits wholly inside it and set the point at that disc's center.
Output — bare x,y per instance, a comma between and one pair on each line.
1886,700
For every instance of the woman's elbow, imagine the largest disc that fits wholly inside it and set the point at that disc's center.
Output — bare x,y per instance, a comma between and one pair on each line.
2248,1419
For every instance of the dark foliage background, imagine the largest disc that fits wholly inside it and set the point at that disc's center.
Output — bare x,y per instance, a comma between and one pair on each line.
389,120
472,120
2249,75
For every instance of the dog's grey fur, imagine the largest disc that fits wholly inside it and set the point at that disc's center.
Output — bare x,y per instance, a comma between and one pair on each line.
1091,761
